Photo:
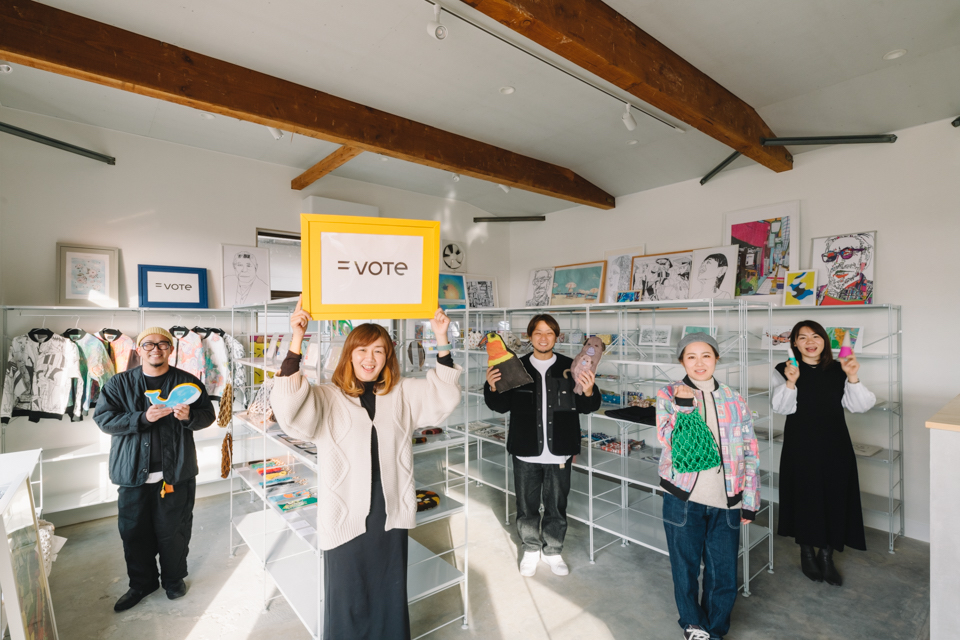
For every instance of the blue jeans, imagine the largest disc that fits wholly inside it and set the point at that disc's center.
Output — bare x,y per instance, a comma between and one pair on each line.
697,533
547,484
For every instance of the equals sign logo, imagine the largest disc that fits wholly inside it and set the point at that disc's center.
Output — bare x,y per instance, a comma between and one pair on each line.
343,265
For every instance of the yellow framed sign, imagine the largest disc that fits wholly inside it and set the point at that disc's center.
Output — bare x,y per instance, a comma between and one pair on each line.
369,267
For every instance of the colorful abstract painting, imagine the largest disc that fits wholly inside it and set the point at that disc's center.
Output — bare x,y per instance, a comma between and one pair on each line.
801,289
766,238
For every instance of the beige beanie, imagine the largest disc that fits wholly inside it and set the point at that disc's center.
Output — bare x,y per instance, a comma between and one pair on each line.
160,331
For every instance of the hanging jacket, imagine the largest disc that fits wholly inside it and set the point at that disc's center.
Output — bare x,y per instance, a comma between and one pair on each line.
235,353
42,379
187,353
118,414
216,365
122,350
96,368
738,444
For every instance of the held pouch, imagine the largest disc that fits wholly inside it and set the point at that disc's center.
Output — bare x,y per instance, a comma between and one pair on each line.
693,446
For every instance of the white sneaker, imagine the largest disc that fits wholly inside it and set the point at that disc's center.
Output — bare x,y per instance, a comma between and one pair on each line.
693,632
528,564
557,565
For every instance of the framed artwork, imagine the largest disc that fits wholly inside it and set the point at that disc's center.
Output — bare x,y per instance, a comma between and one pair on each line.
172,287
245,275
836,337
578,283
356,267
453,256
629,296
87,276
453,291
713,273
481,291
655,336
845,262
688,329
619,265
801,289
663,276
539,287
767,238
776,337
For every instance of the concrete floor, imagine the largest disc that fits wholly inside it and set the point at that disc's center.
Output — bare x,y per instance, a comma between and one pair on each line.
628,593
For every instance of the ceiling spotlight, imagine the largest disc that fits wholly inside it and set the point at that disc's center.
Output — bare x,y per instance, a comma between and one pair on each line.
207,116
5,67
896,53
276,133
434,28
456,177
627,118
631,142
507,90
505,188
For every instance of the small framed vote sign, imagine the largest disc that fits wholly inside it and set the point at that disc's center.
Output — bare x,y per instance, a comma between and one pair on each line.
369,267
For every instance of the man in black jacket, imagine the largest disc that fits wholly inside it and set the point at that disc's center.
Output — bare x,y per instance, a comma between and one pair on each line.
153,460
544,434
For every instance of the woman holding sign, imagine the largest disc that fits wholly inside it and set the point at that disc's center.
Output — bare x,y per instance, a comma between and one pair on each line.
362,423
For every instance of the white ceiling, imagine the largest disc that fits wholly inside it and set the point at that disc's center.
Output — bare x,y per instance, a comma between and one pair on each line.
812,67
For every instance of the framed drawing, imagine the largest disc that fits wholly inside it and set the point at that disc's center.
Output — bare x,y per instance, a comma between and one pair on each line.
836,337
713,273
453,256
688,329
245,275
663,276
453,291
378,268
481,291
776,337
539,287
767,238
655,336
619,265
845,262
578,283
87,276
801,289
629,296
172,287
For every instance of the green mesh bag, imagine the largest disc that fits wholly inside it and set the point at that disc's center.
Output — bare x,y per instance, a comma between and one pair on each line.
694,448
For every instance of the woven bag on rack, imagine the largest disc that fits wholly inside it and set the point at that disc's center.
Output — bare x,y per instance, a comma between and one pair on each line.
693,446
226,406
226,455
260,407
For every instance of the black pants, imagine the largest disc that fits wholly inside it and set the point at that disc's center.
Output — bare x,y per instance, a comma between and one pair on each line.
151,525
550,484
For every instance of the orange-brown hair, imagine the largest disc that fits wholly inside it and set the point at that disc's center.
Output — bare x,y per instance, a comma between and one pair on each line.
344,376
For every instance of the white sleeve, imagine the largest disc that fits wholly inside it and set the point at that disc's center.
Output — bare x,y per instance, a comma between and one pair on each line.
857,398
784,399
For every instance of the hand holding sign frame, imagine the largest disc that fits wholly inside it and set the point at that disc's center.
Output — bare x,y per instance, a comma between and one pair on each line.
369,267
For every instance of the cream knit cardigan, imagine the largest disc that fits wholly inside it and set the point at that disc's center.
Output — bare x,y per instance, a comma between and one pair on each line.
340,427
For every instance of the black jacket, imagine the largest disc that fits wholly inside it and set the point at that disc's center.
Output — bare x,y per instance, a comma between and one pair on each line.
525,404
118,412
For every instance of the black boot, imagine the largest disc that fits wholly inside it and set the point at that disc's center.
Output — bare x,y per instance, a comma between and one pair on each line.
829,570
808,563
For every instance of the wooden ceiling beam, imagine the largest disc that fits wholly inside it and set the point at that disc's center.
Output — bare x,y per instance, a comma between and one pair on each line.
595,37
43,37
336,159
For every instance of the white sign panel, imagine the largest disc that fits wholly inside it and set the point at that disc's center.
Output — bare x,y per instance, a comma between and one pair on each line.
173,287
360,268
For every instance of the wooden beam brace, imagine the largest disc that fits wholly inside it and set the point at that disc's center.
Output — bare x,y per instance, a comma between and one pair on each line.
50,39
597,38
336,159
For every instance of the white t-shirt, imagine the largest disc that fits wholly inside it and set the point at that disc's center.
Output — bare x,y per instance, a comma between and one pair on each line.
546,457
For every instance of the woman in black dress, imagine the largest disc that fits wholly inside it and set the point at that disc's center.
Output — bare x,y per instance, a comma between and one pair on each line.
819,485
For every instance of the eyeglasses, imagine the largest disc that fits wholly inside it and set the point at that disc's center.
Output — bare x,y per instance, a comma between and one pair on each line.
846,254
150,346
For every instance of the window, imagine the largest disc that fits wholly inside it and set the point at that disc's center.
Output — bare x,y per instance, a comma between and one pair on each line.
286,276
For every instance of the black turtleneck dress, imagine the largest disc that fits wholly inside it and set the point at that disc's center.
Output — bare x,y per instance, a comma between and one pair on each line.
819,484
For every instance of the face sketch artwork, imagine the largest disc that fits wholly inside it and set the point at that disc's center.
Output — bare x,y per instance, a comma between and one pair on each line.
710,276
245,286
542,283
847,260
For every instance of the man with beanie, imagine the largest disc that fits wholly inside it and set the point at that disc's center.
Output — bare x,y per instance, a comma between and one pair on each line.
153,460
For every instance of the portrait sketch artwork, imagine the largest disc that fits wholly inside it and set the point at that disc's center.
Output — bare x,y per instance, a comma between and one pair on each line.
663,277
481,292
246,275
539,287
619,264
845,263
713,274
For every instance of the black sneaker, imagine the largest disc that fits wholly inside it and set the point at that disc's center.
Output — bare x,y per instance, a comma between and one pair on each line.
131,599
177,590
693,632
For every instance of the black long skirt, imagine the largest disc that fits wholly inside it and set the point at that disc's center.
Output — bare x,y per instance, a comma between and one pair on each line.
365,580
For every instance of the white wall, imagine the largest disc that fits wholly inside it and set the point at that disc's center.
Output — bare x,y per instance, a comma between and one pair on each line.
908,191
169,204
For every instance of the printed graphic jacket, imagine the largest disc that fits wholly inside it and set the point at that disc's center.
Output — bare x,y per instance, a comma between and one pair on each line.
235,353
187,353
738,445
42,380
525,404
216,365
122,350
118,412
96,368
